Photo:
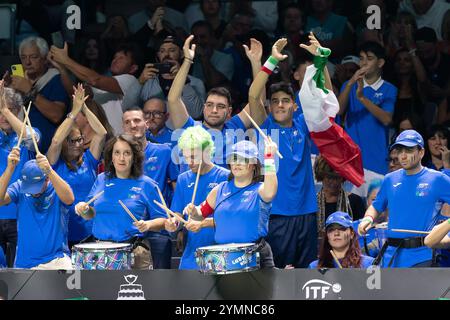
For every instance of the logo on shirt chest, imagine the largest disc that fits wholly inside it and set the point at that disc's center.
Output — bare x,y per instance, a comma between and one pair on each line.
134,192
422,190
246,196
150,164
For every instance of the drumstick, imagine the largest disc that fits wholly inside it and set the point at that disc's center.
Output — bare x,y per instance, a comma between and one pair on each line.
23,125
95,197
32,132
128,211
410,231
259,130
336,259
196,181
168,211
162,200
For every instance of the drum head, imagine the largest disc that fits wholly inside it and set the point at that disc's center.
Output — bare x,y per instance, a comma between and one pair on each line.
229,247
101,245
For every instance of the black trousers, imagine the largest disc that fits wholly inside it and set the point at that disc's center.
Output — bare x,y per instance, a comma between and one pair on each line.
8,239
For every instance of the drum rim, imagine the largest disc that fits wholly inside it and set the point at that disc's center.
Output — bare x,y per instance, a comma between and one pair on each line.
228,249
122,246
246,269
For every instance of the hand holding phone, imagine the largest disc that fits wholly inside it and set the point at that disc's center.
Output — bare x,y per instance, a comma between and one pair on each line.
163,67
17,70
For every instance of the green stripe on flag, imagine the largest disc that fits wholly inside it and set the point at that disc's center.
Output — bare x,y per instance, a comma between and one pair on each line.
320,62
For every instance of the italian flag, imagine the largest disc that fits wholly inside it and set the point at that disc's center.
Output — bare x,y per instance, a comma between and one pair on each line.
320,107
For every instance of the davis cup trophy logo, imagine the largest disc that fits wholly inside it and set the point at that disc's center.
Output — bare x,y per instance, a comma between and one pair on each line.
131,291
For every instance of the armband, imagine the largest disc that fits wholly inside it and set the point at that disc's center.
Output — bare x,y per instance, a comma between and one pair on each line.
206,209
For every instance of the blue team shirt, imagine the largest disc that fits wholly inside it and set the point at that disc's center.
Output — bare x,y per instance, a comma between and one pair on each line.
332,28
365,263
158,165
183,196
81,182
164,136
7,143
414,202
296,192
40,226
240,215
53,91
111,222
367,131
232,132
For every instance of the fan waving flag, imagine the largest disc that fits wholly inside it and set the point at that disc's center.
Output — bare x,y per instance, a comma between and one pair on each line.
320,107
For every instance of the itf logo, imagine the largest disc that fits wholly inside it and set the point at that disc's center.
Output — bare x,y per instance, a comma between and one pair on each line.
319,289
131,291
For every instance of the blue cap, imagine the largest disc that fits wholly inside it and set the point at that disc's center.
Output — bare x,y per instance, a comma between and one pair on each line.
32,178
341,218
409,138
245,149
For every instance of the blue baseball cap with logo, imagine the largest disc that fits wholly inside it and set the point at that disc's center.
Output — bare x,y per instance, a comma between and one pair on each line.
408,138
245,149
32,178
341,218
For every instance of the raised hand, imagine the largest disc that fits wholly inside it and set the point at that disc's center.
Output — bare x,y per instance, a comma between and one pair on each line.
254,53
43,163
79,98
313,46
192,211
14,157
277,48
445,152
189,49
270,147
60,55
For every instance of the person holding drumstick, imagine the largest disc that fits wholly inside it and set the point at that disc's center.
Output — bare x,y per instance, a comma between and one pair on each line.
76,166
241,206
340,241
123,180
411,194
439,237
43,201
197,147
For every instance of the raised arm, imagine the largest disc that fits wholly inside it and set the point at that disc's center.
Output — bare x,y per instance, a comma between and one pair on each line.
90,76
15,123
268,189
13,160
62,189
63,131
255,108
175,105
98,140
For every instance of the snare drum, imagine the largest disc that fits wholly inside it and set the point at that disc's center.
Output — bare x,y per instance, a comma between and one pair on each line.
228,258
102,256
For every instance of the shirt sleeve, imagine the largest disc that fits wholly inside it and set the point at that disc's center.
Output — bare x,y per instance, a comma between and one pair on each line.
235,123
54,91
381,201
14,191
189,123
388,103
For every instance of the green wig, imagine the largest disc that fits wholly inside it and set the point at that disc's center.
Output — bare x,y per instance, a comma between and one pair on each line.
195,138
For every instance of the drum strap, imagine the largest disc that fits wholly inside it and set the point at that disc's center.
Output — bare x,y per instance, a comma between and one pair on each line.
380,255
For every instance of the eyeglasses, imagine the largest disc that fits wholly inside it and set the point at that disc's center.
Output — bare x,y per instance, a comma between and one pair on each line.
154,114
219,106
79,140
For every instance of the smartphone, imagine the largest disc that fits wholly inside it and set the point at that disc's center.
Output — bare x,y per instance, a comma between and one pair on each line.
17,70
58,39
163,67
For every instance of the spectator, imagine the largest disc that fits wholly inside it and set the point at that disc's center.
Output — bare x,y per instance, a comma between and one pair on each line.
115,93
240,25
157,84
368,102
394,163
428,13
215,68
344,71
92,54
156,116
43,87
115,33
408,121
211,13
156,17
400,31
292,24
332,196
437,148
332,30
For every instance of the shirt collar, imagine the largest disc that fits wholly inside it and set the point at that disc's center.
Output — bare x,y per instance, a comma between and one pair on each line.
376,85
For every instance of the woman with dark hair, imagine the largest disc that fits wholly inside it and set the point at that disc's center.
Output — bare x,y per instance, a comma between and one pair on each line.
82,122
342,240
241,206
123,180
78,167
332,196
437,148
92,54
